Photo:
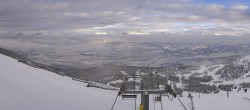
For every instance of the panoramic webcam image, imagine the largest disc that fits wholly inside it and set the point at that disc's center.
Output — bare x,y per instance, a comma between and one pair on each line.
124,54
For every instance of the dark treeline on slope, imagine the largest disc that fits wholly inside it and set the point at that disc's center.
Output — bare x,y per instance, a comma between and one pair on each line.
245,85
27,61
10,54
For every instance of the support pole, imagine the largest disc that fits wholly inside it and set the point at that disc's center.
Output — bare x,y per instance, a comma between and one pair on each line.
144,97
141,107
145,101
146,88
142,100
227,93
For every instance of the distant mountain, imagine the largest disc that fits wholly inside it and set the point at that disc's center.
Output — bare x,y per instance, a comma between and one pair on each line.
236,69
85,51
234,72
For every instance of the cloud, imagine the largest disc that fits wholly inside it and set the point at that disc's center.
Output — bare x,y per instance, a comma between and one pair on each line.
117,16
239,7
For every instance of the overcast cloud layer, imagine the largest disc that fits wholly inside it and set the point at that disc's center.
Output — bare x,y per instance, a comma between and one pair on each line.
117,16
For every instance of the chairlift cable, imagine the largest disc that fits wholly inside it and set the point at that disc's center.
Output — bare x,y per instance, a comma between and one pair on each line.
135,104
169,98
114,102
181,103
161,105
119,93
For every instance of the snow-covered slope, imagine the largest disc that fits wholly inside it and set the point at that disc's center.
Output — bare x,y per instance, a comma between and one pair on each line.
244,61
233,73
27,88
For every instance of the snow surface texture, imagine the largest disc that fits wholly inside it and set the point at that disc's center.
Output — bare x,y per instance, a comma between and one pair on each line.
243,61
204,70
27,88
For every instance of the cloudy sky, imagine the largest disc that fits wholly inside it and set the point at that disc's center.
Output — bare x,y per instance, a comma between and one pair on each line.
130,16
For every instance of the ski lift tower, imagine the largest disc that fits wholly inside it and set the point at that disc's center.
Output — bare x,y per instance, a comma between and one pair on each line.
148,84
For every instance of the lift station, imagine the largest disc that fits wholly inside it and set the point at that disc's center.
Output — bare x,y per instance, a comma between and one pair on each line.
145,85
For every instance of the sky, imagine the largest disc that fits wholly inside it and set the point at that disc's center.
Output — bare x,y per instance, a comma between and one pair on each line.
217,17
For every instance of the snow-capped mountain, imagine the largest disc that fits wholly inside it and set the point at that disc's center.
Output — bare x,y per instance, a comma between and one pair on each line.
236,72
244,62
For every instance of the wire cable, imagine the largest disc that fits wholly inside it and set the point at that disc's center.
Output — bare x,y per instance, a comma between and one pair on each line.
171,99
114,102
118,94
135,104
154,100
181,103
161,106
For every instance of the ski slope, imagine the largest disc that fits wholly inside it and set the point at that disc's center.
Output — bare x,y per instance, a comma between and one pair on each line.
28,88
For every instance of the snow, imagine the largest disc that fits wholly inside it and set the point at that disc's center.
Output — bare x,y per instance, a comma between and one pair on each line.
245,77
204,70
124,73
243,61
201,70
28,88
220,101
114,82
213,72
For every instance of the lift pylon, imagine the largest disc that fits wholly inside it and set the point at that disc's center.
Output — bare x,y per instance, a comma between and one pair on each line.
148,84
